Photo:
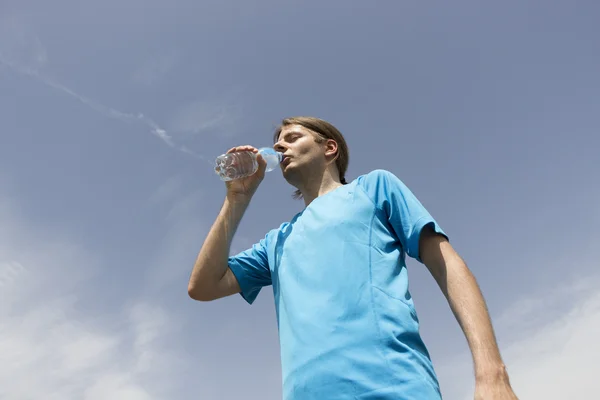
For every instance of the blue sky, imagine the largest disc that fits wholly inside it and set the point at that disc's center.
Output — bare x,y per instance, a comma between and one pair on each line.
113,111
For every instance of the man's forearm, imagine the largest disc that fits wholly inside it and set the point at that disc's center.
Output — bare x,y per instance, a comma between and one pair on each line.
468,305
211,263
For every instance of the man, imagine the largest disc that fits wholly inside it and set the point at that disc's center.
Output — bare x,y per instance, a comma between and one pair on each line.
347,324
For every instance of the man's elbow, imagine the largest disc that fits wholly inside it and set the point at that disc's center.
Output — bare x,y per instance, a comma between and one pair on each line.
199,294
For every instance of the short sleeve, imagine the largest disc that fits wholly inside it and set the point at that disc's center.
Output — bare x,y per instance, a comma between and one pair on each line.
404,212
251,269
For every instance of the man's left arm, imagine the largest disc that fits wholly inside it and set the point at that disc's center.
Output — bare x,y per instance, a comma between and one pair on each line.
466,301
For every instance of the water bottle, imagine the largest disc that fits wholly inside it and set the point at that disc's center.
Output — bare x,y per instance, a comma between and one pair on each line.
243,163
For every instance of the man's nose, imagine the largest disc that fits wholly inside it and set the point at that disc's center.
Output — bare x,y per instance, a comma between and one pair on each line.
279,147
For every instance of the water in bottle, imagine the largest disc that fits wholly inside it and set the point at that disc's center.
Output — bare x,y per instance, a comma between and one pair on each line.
243,163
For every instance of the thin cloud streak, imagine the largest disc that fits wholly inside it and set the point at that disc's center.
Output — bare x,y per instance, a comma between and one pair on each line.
102,109
106,111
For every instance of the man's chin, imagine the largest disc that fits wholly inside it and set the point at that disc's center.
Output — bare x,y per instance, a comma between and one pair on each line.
289,174
285,169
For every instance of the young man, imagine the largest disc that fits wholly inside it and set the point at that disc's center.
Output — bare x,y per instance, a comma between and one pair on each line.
347,324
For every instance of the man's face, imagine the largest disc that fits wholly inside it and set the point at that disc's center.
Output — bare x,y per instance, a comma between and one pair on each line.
302,154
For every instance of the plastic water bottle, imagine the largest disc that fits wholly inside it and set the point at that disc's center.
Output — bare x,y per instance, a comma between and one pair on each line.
243,163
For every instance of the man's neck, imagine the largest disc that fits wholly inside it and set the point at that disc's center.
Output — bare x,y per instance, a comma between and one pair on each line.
319,187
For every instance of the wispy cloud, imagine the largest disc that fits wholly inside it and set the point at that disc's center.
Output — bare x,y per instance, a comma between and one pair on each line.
20,44
22,52
554,352
204,116
183,227
100,108
51,352
10,272
51,346
167,192
558,360
151,71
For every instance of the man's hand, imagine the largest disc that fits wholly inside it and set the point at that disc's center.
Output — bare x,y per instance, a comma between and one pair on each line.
242,190
499,390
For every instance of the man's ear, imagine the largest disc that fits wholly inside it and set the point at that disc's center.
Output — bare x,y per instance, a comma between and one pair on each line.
331,148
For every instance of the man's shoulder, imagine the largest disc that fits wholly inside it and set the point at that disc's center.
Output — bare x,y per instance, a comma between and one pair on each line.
376,176
380,185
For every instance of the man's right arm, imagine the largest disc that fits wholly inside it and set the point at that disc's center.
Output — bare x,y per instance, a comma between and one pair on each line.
211,277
